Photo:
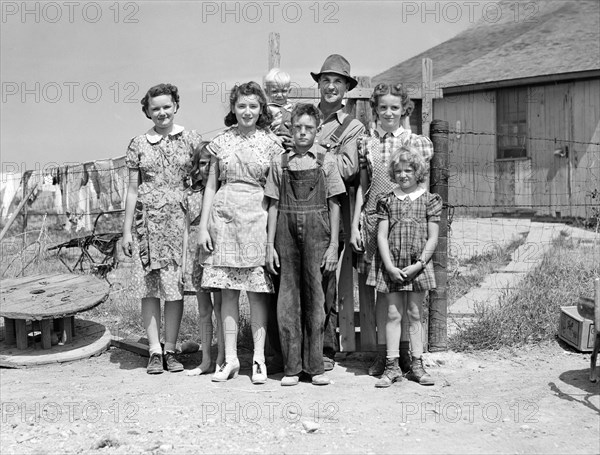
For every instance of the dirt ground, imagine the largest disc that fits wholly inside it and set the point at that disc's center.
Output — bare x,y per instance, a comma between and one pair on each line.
535,400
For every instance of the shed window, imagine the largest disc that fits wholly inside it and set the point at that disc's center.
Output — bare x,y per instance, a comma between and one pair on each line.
511,123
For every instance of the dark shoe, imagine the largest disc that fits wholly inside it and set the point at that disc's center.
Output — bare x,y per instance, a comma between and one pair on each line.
171,363
405,361
418,374
378,366
391,374
328,362
155,364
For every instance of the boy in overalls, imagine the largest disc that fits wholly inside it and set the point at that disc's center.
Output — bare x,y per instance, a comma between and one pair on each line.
303,186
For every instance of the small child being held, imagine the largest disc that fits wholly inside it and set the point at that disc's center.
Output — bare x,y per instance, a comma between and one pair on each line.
277,87
406,238
303,186
195,193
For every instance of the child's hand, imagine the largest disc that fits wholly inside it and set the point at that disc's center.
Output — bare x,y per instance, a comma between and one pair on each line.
356,240
397,275
285,138
205,241
272,260
127,244
330,259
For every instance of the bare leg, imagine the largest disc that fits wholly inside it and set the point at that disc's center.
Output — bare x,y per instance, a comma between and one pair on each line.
393,325
220,337
151,321
230,315
414,309
173,314
206,332
258,314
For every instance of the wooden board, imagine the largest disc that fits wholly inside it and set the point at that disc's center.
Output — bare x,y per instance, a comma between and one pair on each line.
91,339
39,297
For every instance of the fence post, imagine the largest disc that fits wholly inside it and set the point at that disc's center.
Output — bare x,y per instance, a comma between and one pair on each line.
438,298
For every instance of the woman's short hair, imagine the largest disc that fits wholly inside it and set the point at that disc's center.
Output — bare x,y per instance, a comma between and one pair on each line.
157,90
413,157
249,88
278,77
391,89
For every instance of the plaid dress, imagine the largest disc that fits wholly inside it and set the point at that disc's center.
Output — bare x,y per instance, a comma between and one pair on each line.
374,152
407,237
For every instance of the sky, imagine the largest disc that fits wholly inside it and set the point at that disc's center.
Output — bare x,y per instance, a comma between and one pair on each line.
73,72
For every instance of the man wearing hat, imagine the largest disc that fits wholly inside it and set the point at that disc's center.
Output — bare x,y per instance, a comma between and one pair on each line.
338,134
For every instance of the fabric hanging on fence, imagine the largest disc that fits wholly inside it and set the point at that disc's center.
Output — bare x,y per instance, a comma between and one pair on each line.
11,183
63,179
104,171
73,187
92,174
120,182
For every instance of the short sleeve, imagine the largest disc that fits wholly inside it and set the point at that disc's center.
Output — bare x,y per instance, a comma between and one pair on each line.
216,146
424,145
132,157
274,178
333,179
434,207
383,206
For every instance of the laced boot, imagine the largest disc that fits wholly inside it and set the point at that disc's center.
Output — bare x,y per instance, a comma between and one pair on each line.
405,361
378,366
391,373
418,374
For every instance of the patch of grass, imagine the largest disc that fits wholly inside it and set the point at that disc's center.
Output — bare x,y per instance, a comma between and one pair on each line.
475,269
531,313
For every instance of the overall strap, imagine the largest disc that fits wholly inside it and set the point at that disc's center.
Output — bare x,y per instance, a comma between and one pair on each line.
334,138
285,160
320,158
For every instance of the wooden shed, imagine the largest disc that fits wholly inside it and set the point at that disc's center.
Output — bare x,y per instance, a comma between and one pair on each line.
521,93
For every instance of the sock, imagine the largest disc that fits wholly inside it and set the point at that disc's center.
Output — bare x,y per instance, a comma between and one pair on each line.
155,349
404,346
392,354
170,347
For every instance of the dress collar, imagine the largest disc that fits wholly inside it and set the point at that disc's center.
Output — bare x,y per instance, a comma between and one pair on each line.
154,137
414,195
381,133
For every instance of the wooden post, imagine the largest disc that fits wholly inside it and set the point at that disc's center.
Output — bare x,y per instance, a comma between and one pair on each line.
17,210
21,333
427,96
46,333
438,298
274,55
9,331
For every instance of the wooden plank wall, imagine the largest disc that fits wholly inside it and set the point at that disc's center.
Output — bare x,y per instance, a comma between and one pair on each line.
585,157
472,171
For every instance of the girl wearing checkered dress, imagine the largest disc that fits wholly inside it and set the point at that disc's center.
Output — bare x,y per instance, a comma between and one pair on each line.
407,235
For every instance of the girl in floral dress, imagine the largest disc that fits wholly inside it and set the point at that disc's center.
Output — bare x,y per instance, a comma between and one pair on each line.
233,224
391,107
159,162
407,235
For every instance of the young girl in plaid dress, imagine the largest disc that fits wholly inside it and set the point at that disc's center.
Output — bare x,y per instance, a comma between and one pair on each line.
407,235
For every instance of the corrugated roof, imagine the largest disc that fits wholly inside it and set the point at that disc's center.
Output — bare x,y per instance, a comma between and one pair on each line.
557,37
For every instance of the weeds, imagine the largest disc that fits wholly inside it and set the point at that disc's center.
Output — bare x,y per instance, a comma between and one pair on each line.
531,313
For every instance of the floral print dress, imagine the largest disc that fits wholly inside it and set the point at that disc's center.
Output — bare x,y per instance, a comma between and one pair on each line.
164,164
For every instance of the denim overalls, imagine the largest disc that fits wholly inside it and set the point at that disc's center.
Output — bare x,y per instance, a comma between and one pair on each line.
302,237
